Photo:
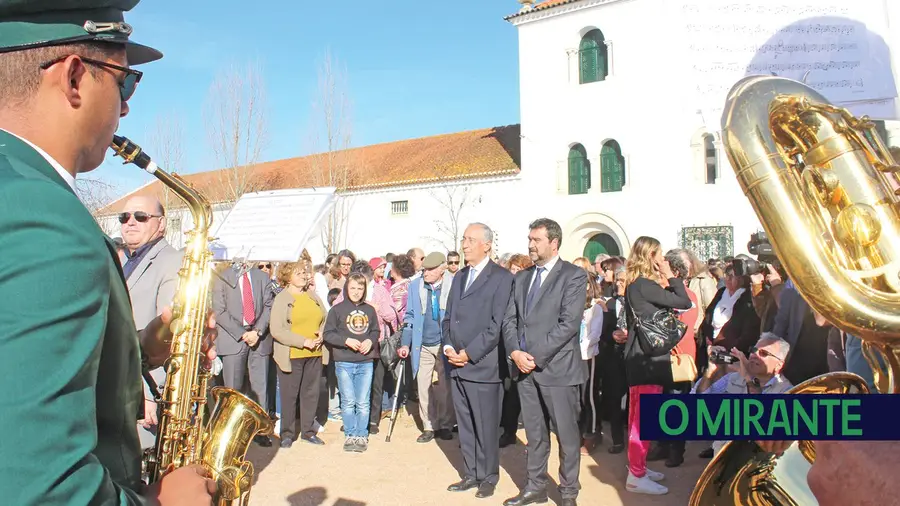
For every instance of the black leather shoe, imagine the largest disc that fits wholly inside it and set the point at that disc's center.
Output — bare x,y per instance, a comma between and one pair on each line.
444,434
527,498
287,442
263,441
706,454
570,501
485,489
463,485
507,440
313,440
658,452
426,437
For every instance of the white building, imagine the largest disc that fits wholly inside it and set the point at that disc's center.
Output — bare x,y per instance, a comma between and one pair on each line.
614,143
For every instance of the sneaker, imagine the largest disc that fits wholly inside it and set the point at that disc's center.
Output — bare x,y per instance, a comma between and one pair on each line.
362,444
349,444
649,473
644,485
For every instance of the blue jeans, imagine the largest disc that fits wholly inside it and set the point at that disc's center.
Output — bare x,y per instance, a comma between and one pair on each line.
355,384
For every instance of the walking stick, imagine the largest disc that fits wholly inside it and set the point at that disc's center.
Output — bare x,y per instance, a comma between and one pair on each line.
394,410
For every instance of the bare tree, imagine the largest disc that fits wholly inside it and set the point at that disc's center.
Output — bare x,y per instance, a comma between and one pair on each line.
238,129
96,195
330,134
167,142
453,201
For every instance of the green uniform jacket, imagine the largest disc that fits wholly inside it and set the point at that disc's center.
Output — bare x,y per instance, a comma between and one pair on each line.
69,351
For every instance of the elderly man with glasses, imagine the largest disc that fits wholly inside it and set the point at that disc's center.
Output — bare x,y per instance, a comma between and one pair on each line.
758,373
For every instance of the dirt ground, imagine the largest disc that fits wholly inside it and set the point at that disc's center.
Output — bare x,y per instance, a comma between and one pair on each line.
404,472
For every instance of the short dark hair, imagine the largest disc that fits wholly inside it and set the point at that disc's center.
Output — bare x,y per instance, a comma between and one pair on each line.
389,257
332,295
404,266
363,267
453,254
554,231
20,71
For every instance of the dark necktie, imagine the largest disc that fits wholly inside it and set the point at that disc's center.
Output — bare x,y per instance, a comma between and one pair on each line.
530,298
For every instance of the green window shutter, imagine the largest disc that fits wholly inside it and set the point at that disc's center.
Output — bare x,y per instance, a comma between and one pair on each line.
579,174
612,168
588,56
602,61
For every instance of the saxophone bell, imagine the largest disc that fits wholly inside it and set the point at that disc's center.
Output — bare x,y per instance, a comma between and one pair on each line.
823,185
184,435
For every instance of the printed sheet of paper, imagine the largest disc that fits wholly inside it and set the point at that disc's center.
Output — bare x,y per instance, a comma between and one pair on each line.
837,47
272,225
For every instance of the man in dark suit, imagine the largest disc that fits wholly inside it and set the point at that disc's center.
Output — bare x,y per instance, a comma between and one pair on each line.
243,305
472,324
541,335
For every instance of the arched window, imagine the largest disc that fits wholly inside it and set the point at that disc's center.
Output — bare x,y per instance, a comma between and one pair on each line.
579,170
593,58
612,167
712,164
599,244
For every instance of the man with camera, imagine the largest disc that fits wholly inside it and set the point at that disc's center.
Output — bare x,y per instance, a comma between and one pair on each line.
732,372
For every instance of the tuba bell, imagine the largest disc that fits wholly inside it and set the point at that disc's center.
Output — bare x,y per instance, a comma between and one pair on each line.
825,189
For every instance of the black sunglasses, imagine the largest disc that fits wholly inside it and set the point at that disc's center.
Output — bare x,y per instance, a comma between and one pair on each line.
139,216
763,353
265,266
453,262
126,86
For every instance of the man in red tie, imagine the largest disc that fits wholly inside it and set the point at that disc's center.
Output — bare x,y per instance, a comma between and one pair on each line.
242,300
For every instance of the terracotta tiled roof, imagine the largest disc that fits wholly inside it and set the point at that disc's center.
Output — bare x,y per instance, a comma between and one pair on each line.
464,155
546,4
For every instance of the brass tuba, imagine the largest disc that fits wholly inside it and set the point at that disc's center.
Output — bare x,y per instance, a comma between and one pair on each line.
184,436
824,187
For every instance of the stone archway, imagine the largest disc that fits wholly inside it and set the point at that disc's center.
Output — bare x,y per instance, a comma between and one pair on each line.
600,243
581,230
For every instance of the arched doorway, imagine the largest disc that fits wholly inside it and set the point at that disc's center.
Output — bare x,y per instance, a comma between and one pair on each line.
599,244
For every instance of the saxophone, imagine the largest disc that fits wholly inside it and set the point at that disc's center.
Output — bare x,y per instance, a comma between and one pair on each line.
184,436
825,188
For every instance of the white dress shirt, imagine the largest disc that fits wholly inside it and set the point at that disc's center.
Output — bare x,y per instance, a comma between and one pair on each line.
723,310
63,173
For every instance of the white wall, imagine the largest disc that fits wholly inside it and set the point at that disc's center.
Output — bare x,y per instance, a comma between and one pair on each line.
665,187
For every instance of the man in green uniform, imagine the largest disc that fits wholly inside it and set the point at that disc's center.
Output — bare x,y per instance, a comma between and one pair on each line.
69,352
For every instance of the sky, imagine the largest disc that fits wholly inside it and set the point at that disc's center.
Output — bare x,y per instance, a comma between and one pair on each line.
413,69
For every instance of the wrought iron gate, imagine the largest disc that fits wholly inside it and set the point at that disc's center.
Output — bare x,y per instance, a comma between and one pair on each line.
708,242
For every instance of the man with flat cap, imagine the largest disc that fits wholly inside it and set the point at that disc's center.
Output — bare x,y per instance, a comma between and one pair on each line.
69,350
479,298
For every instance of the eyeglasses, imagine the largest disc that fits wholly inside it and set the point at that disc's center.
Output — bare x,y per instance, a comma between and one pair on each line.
454,262
126,85
139,216
764,353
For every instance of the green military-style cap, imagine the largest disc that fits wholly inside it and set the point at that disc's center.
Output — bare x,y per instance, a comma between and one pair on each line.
26,24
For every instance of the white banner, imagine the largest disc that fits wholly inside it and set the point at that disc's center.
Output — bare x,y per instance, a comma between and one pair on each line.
272,225
837,47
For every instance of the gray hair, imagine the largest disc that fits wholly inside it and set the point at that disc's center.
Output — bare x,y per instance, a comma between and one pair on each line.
783,346
601,257
677,262
488,233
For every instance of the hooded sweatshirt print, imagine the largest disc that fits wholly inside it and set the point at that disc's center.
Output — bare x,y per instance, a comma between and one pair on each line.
357,320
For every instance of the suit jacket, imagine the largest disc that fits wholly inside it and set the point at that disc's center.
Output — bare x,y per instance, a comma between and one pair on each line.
474,320
741,330
229,308
551,328
415,319
152,285
68,346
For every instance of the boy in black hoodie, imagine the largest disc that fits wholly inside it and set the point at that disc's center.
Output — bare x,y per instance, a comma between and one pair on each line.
351,334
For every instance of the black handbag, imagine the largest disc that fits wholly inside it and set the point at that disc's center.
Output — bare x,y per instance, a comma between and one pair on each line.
660,333
389,347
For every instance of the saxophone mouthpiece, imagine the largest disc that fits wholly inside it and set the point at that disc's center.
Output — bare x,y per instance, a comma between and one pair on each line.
132,153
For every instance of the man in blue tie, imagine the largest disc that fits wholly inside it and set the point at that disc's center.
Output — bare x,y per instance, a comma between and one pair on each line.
541,335
472,324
